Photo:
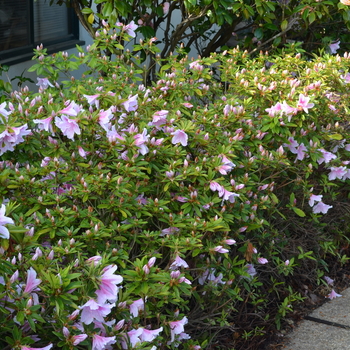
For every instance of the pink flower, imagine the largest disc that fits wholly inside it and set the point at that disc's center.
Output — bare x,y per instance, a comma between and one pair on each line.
72,109
292,145
94,311
178,262
94,260
333,47
301,150
32,281
108,289
101,343
179,136
104,118
166,6
187,104
337,172
169,231
43,83
274,109
11,137
4,220
262,261
3,111
136,306
44,124
286,263
131,104
177,327
303,103
93,100
329,280
333,295
130,29
229,241
24,347
150,335
221,250
321,208
159,118
326,156
68,126
314,198
133,337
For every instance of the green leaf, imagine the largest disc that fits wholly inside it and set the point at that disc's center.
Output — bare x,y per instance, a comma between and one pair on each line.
299,212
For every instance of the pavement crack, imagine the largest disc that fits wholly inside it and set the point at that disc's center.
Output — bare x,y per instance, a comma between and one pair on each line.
335,324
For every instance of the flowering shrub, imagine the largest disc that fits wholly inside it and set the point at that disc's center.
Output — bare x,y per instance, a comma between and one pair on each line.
168,216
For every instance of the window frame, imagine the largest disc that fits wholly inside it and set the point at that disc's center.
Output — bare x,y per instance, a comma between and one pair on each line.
25,53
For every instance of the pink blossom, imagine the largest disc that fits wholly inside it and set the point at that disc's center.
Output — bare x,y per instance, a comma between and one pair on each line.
337,172
136,306
166,6
224,169
329,280
333,47
169,231
104,118
286,263
288,110
94,311
108,289
177,327
4,220
274,109
262,261
333,295
314,198
150,335
94,260
326,156
209,275
251,270
292,145
130,29
159,118
3,110
24,347
43,83
301,150
131,104
229,241
221,250
133,337
187,104
32,281
11,137
178,262
101,343
320,207
68,126
179,136
303,103
72,109
44,124
93,100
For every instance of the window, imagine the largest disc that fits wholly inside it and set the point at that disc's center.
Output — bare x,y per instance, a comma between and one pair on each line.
24,24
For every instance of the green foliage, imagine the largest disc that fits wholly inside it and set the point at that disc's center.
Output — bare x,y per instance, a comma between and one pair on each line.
220,162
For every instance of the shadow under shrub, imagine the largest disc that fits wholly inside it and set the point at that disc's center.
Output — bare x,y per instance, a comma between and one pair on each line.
211,202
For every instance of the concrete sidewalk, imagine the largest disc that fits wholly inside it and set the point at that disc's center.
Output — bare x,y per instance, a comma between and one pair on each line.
310,335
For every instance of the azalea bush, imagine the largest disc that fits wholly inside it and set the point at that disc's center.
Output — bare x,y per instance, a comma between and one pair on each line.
175,216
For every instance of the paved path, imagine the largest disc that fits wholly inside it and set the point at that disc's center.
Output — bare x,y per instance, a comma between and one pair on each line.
310,335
